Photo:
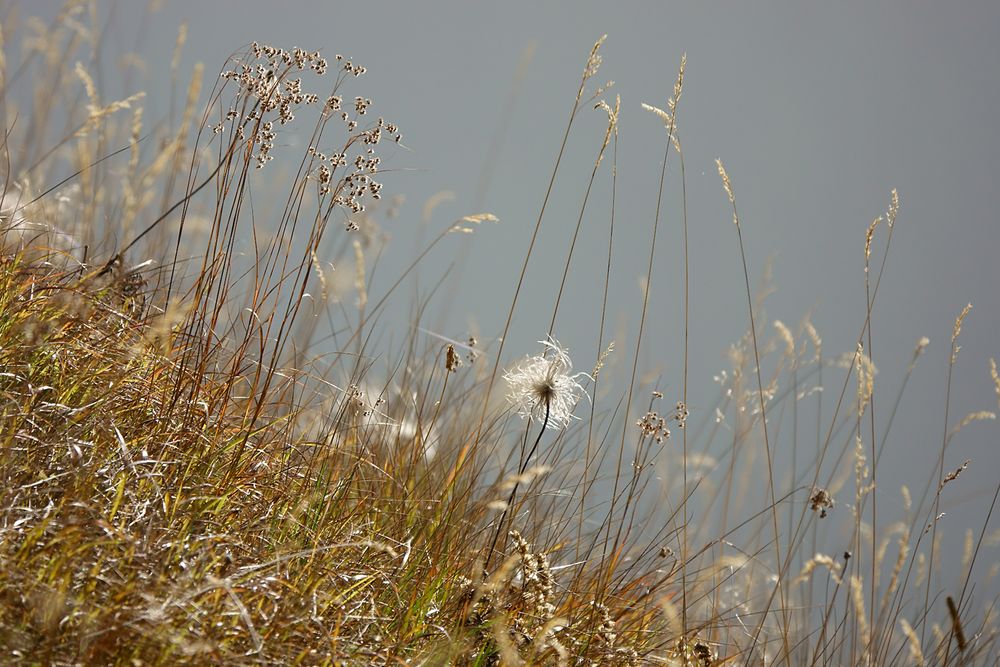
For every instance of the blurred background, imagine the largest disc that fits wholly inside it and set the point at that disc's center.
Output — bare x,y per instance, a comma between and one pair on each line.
818,111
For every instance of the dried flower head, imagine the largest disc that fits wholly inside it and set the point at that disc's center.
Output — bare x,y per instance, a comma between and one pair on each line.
537,583
821,501
540,387
693,652
652,425
452,361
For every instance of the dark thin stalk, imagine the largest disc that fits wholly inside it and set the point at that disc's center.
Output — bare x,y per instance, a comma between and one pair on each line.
513,493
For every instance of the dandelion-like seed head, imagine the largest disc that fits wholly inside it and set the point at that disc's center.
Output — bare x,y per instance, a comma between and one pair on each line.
543,383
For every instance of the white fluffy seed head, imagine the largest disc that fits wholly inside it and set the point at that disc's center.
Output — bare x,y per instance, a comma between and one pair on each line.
543,382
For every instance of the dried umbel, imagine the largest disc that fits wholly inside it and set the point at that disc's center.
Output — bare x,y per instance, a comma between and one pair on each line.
270,90
654,425
821,501
268,93
542,388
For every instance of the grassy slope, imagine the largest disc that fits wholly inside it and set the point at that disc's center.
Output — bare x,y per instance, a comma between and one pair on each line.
182,482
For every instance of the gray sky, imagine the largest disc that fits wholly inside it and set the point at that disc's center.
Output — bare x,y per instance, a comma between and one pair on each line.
817,109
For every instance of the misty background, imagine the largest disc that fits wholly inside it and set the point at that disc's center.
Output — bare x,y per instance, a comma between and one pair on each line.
817,110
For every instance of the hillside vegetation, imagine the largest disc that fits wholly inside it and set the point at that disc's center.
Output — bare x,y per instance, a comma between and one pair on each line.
210,454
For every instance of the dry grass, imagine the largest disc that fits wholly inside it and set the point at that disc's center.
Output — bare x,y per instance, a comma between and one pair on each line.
203,463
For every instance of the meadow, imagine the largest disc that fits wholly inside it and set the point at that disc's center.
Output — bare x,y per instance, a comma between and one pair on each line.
218,447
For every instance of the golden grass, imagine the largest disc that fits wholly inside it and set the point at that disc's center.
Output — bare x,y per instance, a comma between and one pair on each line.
203,464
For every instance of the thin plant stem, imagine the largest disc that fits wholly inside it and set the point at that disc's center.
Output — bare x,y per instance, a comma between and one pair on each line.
523,465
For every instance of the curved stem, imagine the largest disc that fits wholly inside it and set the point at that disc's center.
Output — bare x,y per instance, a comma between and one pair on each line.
517,482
